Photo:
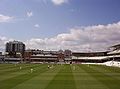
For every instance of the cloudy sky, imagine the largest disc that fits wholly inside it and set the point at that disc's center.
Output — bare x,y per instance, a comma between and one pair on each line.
79,25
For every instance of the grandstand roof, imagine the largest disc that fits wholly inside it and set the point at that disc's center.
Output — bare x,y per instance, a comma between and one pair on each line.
114,52
90,58
118,45
95,58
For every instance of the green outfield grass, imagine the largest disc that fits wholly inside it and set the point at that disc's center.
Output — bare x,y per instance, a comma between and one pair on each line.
58,77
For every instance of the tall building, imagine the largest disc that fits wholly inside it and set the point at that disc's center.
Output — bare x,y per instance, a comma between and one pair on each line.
14,47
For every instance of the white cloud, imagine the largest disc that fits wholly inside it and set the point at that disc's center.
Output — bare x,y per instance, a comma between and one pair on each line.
36,25
95,38
29,14
3,41
59,2
4,18
90,38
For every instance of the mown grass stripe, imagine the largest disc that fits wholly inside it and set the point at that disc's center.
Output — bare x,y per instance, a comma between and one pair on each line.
105,70
60,77
40,81
15,69
108,69
85,81
14,73
3,66
12,67
12,82
110,82
63,79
